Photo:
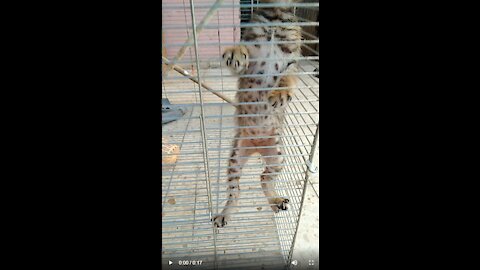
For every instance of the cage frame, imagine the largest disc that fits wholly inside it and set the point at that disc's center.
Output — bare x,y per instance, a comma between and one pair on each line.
201,86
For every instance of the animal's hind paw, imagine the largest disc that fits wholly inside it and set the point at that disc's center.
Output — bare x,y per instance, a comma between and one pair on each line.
280,204
219,221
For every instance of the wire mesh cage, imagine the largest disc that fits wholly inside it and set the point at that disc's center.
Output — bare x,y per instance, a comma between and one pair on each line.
199,131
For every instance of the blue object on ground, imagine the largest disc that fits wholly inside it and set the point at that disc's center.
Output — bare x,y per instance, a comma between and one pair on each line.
170,114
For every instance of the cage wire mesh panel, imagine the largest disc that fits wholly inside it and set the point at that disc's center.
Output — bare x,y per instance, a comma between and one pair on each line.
194,186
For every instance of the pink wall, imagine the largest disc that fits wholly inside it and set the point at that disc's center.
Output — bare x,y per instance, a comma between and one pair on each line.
182,17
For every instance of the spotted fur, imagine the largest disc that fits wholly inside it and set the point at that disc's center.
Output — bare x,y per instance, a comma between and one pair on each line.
264,115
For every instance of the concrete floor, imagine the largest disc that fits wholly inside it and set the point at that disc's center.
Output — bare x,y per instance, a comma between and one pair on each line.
307,241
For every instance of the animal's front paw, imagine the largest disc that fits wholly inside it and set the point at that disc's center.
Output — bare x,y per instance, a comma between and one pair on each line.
236,59
279,204
279,98
219,221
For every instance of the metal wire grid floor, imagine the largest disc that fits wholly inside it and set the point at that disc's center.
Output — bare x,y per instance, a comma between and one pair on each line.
255,232
255,237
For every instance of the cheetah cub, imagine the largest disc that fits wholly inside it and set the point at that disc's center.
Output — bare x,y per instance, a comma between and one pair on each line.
260,122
